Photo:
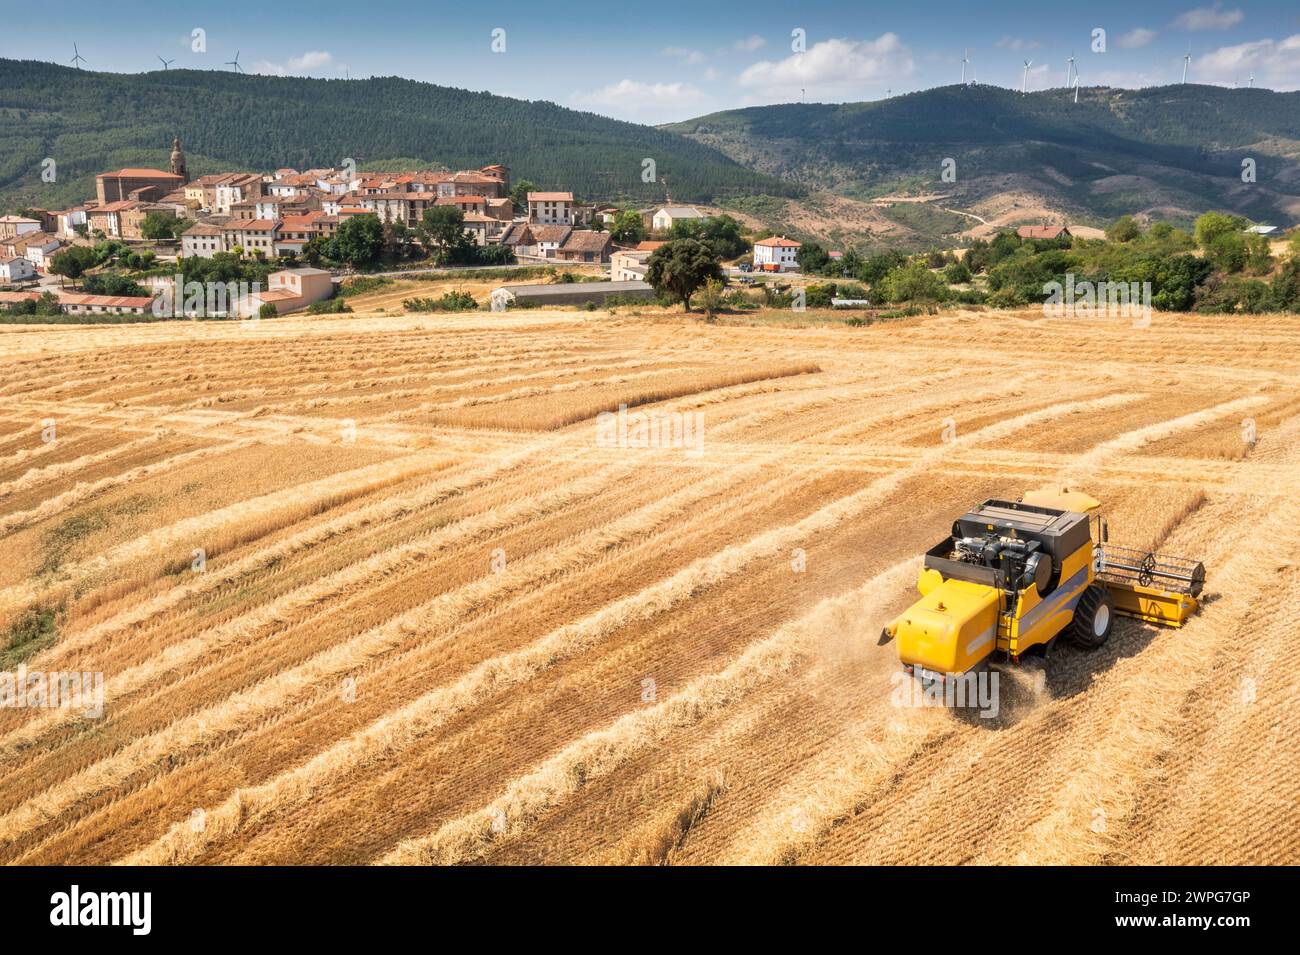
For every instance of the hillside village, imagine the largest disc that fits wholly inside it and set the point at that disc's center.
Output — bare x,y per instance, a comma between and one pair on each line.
287,216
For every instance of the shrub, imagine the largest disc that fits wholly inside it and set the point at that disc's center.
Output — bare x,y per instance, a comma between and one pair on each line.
451,302
363,284
330,306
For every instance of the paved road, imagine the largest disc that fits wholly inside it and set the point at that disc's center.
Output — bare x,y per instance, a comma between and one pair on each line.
450,269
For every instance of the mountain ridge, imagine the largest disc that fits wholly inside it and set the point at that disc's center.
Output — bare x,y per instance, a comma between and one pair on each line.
1168,151
91,122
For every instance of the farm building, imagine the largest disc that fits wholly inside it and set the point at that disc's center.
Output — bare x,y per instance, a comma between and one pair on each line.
291,289
778,252
568,293
1043,232
76,304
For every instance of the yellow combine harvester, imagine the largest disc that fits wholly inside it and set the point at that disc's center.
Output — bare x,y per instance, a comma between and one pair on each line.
1015,575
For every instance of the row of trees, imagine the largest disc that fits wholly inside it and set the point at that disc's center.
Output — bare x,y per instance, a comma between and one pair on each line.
1234,270
363,242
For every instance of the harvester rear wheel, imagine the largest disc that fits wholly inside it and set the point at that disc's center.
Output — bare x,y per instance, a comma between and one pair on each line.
1094,616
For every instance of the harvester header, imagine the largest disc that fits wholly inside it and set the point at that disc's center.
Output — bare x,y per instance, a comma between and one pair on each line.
1012,576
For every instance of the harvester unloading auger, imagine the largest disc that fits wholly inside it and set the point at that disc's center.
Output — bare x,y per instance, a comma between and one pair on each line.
1015,575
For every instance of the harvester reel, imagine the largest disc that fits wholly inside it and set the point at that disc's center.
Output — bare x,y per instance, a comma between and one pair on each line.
1146,572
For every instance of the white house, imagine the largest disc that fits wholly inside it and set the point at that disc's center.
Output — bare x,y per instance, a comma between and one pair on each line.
15,270
549,239
230,193
39,251
777,251
69,219
202,240
550,208
666,216
629,265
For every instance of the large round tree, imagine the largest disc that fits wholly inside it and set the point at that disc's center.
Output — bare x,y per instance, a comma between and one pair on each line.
681,267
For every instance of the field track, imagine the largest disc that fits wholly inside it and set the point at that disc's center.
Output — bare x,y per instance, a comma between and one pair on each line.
369,589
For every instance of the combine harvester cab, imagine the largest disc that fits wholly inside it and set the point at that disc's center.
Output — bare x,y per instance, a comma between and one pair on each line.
1014,575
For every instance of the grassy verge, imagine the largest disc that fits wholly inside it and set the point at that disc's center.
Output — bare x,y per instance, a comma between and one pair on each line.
37,629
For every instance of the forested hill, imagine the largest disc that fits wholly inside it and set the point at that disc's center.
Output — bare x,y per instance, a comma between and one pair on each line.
89,122
1114,151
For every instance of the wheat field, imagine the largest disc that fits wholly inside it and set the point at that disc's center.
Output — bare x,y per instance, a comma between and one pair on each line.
372,589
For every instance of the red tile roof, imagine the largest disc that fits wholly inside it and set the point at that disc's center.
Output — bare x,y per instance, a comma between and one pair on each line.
105,301
142,174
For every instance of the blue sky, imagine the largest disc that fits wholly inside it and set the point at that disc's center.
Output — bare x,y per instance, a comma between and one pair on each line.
668,60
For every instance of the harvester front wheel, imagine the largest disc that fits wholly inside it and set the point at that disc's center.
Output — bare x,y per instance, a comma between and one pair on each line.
1094,616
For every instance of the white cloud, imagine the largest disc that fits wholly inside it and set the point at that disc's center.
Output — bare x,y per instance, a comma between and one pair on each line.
1276,64
1136,38
1208,18
834,65
1017,43
710,74
750,44
694,57
631,99
312,61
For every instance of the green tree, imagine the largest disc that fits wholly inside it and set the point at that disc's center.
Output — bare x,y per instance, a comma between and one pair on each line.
1227,251
912,283
957,273
710,297
812,258
1259,256
681,266
628,227
851,262
73,262
1123,229
360,240
519,194
442,230
160,225
1212,225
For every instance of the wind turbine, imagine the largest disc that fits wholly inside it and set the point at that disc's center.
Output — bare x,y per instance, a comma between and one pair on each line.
1069,69
235,63
77,58
1187,58
1024,82
1252,81
965,58
165,63
1076,86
